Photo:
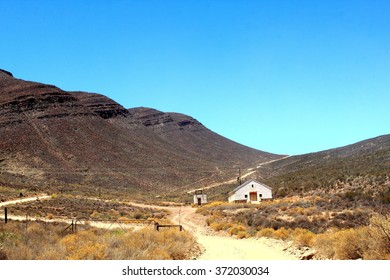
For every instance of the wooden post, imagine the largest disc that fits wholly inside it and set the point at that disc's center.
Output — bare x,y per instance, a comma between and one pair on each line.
5,214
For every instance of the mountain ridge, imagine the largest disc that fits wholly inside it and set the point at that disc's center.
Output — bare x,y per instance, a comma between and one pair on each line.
77,140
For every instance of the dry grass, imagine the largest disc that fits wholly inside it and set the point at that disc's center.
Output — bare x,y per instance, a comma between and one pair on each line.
45,241
372,242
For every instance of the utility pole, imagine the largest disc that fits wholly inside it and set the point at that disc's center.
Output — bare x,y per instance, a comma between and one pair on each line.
5,215
239,175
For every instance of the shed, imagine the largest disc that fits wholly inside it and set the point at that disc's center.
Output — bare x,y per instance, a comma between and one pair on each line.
200,197
251,191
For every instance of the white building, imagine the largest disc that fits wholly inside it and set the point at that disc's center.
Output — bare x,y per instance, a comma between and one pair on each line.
199,197
251,191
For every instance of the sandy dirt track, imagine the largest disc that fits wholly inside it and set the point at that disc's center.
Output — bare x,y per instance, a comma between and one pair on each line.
215,247
225,247
23,200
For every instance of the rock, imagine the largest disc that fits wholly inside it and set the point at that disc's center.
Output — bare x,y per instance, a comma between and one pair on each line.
308,255
4,73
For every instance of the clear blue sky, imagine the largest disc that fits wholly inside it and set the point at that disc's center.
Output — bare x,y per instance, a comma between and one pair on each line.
287,77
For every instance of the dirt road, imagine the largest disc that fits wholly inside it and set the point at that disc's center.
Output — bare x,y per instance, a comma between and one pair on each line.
23,200
216,247
234,180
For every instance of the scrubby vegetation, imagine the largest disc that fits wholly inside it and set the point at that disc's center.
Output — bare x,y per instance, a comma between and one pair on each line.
10,193
316,214
46,241
361,171
332,225
62,206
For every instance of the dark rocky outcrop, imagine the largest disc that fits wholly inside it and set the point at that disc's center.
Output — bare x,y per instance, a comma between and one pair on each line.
191,136
101,105
3,73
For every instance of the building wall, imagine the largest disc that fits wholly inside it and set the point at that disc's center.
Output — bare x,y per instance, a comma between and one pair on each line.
240,194
203,198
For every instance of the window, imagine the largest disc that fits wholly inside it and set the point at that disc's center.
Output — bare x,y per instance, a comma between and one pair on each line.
260,195
246,196
252,186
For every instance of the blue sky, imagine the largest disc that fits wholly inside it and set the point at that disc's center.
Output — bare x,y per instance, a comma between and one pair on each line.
287,77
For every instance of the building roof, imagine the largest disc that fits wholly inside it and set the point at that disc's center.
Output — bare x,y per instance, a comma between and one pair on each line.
248,183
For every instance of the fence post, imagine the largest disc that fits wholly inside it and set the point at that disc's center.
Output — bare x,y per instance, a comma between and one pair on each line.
5,214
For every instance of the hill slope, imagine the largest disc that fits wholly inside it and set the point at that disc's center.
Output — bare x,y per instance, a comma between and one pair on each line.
82,141
189,135
359,171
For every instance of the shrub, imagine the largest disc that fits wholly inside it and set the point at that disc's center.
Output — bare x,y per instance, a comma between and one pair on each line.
324,245
347,245
139,216
379,247
266,232
3,255
220,226
242,234
302,237
365,242
237,229
210,220
282,233
84,245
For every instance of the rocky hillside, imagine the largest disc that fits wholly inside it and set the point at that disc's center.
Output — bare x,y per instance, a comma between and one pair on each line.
77,141
359,171
189,135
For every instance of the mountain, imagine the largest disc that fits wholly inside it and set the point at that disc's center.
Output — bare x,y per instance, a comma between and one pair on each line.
359,171
77,141
189,135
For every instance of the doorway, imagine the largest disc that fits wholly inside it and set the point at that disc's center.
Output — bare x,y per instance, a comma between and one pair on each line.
253,196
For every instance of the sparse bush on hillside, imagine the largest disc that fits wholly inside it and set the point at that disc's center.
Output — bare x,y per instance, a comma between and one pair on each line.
70,207
11,193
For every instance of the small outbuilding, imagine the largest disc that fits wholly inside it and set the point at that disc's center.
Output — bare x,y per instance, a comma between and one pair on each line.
200,197
250,192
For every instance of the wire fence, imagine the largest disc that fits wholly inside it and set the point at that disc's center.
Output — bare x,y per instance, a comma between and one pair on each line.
75,224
